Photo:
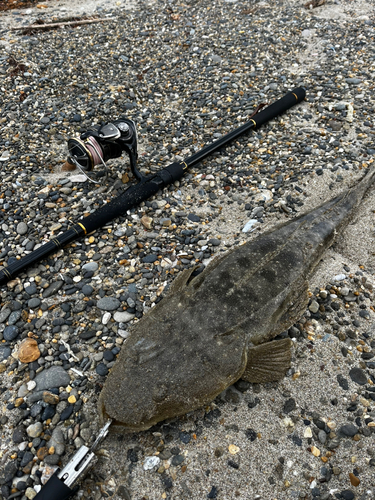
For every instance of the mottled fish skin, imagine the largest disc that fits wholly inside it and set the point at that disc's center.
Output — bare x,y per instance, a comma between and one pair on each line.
197,341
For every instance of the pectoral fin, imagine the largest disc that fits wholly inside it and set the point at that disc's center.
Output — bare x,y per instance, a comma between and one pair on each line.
268,362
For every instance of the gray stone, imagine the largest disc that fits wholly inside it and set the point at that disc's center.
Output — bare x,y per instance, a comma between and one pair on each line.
314,307
57,440
108,304
10,332
322,436
34,302
52,377
4,314
5,352
52,289
52,459
358,376
348,430
123,492
22,228
14,317
90,266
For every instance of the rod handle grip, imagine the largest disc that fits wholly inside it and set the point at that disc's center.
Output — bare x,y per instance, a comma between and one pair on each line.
55,489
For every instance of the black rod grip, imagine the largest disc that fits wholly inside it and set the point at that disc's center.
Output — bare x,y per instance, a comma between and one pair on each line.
133,197
277,108
118,206
55,489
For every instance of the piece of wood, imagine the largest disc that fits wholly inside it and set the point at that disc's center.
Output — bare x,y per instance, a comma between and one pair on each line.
59,25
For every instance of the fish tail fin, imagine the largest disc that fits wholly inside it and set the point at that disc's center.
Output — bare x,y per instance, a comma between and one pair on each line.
367,180
268,362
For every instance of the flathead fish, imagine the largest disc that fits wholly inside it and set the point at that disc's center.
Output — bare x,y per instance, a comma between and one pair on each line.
214,328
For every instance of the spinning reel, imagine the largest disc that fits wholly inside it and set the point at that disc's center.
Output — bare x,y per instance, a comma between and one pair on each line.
104,142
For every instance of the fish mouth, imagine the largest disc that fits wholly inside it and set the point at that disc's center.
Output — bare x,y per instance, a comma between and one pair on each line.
121,427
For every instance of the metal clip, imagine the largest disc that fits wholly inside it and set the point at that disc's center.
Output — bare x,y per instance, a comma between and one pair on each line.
83,460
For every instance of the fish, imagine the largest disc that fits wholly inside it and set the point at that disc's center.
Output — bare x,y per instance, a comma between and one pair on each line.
214,328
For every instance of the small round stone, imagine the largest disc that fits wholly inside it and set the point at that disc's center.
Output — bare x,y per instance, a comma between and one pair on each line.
22,228
102,370
358,376
108,304
34,430
5,352
10,332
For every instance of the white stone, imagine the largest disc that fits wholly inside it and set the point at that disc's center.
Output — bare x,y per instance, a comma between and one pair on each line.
106,317
307,433
263,195
150,463
250,226
123,317
31,384
339,277
35,430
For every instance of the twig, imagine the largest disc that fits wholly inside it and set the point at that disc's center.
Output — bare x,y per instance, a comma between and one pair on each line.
59,25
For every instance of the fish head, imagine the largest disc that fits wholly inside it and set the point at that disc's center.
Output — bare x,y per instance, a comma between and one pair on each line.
169,366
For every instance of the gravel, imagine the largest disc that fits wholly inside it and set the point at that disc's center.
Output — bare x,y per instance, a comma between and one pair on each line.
187,73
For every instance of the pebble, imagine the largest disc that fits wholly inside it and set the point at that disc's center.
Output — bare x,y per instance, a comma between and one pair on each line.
348,430
339,277
314,306
22,228
90,266
30,493
5,352
250,226
28,351
123,317
358,376
102,369
35,430
150,462
10,332
52,289
108,304
55,376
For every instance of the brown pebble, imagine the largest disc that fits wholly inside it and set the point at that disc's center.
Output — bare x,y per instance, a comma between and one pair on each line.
42,453
28,467
68,167
28,351
354,479
147,222
50,398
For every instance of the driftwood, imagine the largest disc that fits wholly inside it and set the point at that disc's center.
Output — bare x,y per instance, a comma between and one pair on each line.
62,24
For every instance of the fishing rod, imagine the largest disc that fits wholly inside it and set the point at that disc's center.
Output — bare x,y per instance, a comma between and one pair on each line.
101,143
